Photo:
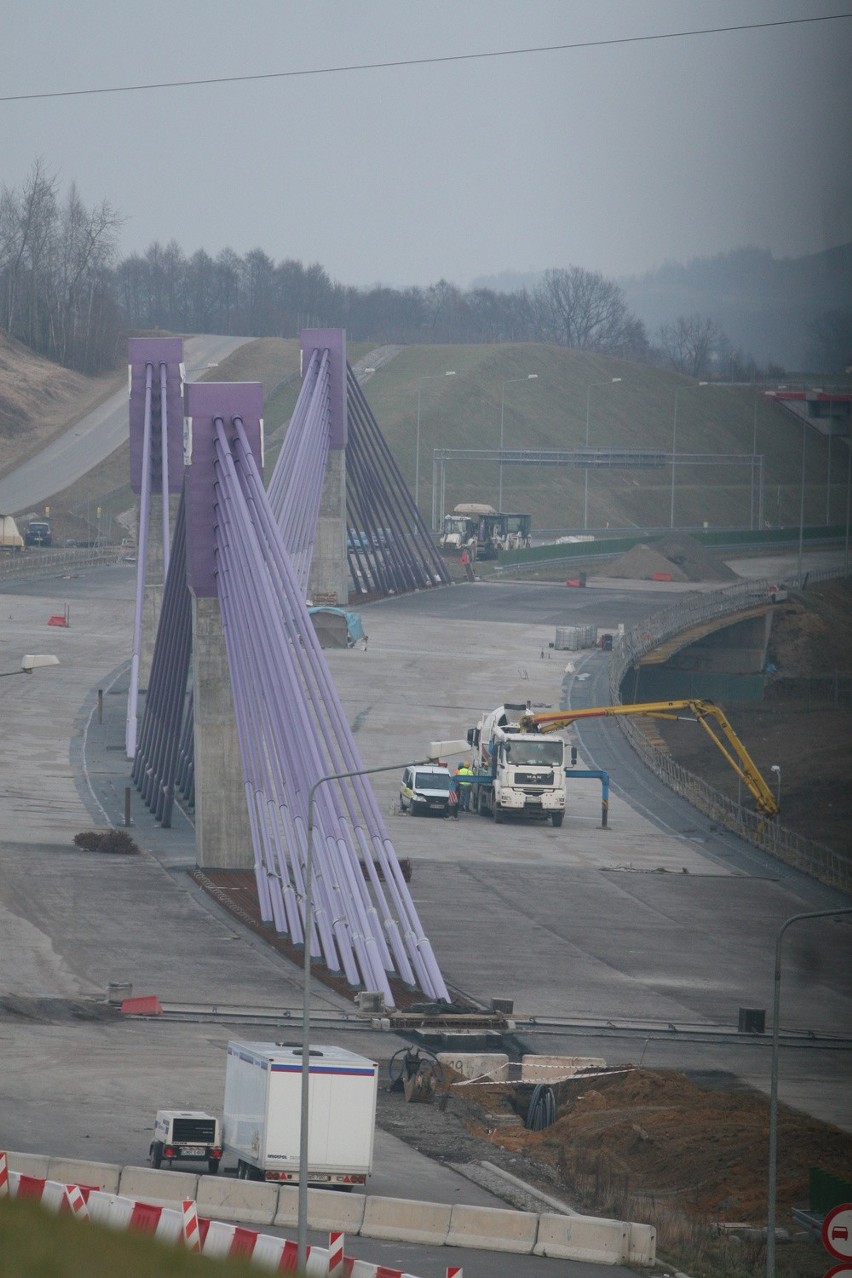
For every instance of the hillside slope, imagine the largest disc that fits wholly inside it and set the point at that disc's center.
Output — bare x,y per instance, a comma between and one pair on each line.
536,396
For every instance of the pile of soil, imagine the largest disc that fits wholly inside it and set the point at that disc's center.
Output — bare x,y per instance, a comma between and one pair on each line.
677,555
658,1135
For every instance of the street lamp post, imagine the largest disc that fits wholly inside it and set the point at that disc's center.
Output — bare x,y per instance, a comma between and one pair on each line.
429,378
302,1235
609,382
530,377
802,503
777,770
773,1084
674,449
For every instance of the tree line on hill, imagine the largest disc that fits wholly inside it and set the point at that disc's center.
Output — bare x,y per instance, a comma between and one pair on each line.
65,293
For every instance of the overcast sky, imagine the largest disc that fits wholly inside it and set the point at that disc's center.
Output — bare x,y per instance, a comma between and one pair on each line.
616,158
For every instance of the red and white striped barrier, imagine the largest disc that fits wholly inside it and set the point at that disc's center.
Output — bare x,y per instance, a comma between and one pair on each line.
336,1243
189,1226
455,1271
209,1237
76,1200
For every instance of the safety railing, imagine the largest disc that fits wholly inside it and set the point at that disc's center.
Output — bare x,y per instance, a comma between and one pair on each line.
50,563
820,862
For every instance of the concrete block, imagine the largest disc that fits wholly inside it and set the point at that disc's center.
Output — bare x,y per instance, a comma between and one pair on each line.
144,1184
406,1220
28,1164
582,1238
552,1069
327,1209
641,1244
246,1201
474,1064
493,1228
74,1171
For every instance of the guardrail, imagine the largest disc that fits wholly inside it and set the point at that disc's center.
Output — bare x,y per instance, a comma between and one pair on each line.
820,862
51,563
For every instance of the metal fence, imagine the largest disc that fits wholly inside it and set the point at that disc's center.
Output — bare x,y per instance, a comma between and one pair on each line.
820,862
57,563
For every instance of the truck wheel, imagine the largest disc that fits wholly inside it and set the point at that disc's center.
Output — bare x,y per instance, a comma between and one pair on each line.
241,1170
498,815
156,1154
213,1166
556,818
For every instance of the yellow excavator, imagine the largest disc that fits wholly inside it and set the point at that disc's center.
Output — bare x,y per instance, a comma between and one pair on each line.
711,718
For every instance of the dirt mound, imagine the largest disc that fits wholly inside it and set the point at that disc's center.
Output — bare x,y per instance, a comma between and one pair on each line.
658,1134
641,563
680,556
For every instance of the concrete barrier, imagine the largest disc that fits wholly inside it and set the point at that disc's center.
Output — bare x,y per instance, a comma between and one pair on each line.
144,1183
495,1228
641,1245
582,1238
74,1171
28,1164
327,1209
474,1064
406,1220
242,1200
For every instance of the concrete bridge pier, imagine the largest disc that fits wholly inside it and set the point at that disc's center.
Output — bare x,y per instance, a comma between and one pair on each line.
329,579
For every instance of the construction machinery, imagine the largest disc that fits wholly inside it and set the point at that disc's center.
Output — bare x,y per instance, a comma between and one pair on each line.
516,773
483,532
710,716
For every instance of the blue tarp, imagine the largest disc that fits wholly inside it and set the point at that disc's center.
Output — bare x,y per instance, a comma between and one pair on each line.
354,629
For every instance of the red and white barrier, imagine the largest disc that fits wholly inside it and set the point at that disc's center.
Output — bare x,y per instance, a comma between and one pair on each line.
76,1200
455,1271
189,1226
336,1243
211,1238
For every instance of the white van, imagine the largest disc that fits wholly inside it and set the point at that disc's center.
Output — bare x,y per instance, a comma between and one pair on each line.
425,789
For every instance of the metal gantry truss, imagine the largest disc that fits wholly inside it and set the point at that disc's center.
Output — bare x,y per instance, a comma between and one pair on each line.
587,459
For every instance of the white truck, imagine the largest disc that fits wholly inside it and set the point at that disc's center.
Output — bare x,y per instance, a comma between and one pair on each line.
10,538
262,1119
526,770
189,1134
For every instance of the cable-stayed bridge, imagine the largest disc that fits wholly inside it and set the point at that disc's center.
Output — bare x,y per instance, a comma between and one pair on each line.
241,715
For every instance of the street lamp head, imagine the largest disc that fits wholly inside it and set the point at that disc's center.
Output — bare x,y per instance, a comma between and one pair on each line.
775,768
32,660
451,373
532,377
616,379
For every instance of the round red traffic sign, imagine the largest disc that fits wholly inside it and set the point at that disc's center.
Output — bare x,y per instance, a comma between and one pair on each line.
840,1271
837,1232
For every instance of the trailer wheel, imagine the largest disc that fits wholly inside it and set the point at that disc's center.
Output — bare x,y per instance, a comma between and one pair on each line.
213,1166
241,1170
156,1155
557,818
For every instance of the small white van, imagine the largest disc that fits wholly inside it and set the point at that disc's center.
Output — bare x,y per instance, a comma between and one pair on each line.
425,789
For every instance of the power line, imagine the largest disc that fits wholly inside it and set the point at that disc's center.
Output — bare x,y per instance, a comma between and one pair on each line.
419,62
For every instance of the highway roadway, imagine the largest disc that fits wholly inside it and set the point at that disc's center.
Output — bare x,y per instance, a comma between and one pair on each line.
97,436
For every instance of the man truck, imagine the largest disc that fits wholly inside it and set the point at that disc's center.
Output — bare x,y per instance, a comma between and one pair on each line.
525,771
262,1119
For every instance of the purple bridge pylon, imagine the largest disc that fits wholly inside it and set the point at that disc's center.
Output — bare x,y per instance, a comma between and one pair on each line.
337,518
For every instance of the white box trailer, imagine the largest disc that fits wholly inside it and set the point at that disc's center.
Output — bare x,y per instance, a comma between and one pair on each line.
262,1119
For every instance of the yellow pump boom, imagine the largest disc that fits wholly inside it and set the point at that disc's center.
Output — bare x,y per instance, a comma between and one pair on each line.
710,716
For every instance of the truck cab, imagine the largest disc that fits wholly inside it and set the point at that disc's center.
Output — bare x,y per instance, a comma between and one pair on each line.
184,1135
38,533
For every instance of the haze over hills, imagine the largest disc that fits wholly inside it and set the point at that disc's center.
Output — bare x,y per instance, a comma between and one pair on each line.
765,305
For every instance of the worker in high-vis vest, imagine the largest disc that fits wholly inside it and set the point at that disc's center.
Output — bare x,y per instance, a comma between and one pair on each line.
464,773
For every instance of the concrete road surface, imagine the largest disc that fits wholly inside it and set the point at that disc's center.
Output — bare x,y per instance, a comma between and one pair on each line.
94,438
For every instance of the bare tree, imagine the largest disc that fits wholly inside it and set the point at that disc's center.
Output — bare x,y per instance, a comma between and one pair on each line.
689,343
27,222
581,309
